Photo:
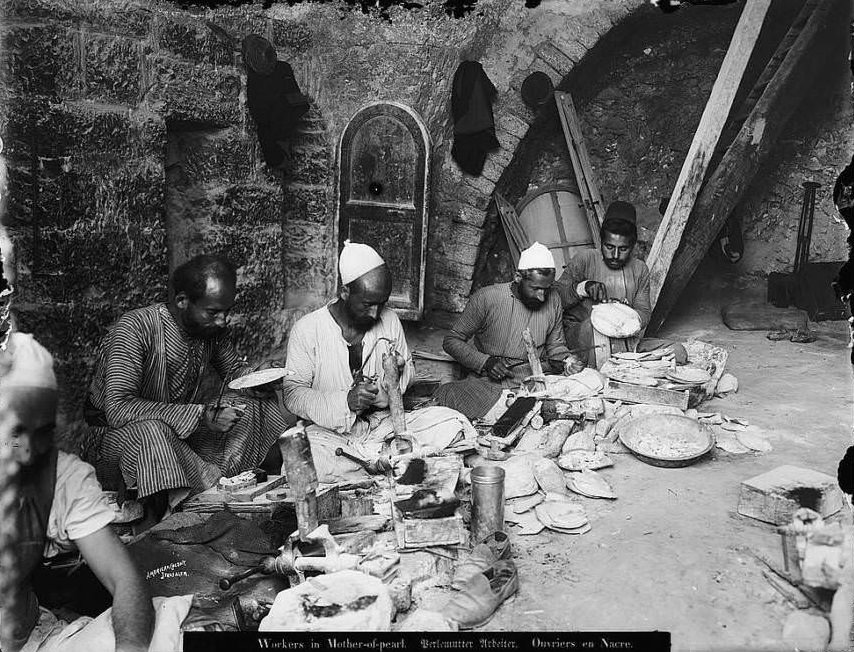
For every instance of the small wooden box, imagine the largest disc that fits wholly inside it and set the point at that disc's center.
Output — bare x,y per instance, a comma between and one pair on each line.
775,496
427,532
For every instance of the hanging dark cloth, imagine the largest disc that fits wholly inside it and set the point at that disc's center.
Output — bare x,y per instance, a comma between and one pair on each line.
276,104
474,127
36,488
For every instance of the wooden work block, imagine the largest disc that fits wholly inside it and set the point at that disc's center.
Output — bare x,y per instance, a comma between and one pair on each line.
616,391
251,493
775,496
428,532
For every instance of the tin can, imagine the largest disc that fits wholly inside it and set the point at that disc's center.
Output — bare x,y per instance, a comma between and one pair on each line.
487,501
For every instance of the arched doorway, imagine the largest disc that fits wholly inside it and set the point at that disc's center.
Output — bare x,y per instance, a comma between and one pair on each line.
382,195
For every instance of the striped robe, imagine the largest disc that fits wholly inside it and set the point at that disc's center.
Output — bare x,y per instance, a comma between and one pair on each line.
145,402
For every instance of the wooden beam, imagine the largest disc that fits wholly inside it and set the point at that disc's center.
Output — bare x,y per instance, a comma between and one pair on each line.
517,239
669,233
739,115
587,187
804,61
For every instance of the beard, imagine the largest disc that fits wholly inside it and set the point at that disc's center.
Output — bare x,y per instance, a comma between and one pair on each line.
206,332
533,304
365,323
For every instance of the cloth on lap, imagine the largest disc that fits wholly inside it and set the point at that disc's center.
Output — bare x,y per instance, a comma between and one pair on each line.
96,634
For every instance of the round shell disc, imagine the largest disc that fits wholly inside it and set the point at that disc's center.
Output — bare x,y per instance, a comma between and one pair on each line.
257,378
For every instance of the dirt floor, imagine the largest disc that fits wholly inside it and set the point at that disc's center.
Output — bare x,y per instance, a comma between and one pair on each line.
671,552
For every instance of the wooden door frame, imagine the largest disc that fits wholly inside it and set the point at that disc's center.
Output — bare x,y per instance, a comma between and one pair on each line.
418,312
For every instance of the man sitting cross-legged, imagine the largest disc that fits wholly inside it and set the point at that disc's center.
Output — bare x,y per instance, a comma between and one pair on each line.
157,434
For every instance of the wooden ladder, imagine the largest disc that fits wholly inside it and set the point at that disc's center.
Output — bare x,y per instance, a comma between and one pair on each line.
580,164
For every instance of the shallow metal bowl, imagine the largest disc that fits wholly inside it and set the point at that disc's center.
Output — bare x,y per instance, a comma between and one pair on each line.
632,432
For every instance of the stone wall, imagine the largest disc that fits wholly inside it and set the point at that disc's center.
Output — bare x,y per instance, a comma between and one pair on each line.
130,148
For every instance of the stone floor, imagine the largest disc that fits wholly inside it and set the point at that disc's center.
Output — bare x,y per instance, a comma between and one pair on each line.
671,552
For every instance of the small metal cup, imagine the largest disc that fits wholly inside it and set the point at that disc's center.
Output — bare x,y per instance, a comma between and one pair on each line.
487,501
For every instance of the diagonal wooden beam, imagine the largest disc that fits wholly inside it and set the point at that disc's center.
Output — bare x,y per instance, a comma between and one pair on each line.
738,116
804,61
712,122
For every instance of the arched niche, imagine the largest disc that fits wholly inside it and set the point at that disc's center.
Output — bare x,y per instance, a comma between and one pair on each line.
382,195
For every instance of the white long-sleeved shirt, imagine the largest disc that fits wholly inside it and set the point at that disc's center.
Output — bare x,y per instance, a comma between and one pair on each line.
320,371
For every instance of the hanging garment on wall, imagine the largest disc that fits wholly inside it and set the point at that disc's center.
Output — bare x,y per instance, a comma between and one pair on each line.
276,104
474,127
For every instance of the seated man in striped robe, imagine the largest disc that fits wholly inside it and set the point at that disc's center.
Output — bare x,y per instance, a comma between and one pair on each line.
335,360
611,272
487,338
157,434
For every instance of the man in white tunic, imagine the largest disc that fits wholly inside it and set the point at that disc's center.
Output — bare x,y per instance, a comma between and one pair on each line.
335,361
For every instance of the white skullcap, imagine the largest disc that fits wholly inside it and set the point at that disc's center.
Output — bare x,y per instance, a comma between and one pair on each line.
27,364
536,256
357,260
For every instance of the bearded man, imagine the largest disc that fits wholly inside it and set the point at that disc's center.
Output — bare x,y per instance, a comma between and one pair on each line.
157,434
336,374
487,338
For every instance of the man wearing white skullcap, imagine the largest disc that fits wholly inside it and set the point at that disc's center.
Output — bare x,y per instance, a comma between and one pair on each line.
487,337
61,509
335,358
357,260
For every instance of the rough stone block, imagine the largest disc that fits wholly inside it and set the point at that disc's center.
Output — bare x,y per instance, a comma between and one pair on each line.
223,154
112,68
299,236
248,204
449,301
19,206
479,184
512,124
462,253
775,496
493,168
193,40
196,94
555,58
308,165
54,10
476,200
79,129
465,234
118,265
307,203
598,20
293,35
508,141
457,271
312,121
116,16
69,330
241,22
570,46
40,59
